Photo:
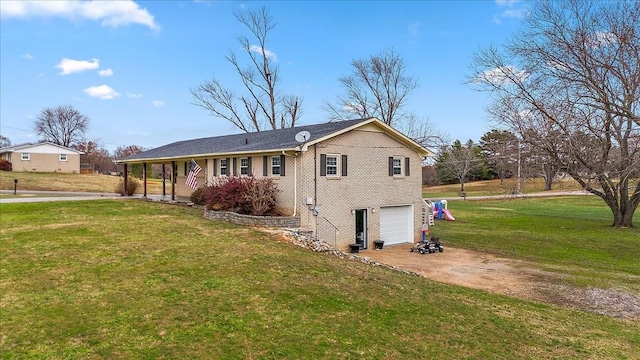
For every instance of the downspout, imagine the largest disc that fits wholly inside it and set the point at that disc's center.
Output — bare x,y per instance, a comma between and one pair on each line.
315,184
315,175
295,182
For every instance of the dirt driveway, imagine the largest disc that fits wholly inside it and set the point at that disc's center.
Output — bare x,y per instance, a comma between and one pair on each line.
506,276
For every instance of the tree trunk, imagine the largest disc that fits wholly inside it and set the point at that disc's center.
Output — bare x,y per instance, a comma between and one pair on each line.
622,211
548,183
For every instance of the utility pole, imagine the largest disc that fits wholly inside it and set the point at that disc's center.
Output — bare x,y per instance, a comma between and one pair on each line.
519,169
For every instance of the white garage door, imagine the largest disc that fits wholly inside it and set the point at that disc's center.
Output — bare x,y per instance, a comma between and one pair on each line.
396,224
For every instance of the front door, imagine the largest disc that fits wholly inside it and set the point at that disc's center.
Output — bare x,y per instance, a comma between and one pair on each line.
362,236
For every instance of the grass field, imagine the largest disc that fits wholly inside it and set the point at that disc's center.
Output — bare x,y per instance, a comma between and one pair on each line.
493,187
571,234
71,182
132,279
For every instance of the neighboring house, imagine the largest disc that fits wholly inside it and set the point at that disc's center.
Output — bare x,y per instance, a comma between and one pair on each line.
350,181
42,157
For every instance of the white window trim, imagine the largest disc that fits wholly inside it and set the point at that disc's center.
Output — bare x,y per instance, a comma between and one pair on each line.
337,165
279,166
245,167
225,167
25,158
66,157
401,167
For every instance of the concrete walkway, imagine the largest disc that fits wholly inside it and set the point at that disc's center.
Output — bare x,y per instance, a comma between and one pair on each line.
30,196
519,196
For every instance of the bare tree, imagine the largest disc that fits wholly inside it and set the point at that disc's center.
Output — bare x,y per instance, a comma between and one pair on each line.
380,87
63,125
501,149
4,141
569,84
124,151
458,162
95,156
263,106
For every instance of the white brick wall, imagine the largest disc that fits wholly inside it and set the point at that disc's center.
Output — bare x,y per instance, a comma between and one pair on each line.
366,186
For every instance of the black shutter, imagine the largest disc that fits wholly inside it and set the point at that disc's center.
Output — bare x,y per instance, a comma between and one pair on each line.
185,168
228,167
215,167
282,162
249,169
323,165
390,165
406,167
265,166
344,165
235,166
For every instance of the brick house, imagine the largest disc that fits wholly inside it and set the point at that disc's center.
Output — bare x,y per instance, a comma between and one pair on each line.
353,181
42,157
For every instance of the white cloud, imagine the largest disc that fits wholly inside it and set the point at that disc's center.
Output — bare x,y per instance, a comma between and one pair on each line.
28,56
108,13
133,96
414,29
105,72
158,103
69,66
104,92
267,53
602,39
512,10
502,75
353,108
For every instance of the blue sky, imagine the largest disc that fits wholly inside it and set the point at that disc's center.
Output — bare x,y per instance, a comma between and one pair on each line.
129,66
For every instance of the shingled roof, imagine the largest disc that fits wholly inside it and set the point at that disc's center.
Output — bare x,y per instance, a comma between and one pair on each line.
255,142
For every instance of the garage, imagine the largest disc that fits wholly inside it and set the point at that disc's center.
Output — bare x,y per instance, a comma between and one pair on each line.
396,224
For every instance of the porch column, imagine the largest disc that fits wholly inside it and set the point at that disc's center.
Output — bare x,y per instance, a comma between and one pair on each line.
144,180
164,178
173,180
126,175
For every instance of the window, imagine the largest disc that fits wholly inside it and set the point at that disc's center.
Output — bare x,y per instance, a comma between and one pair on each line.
332,165
397,166
244,166
25,156
63,157
275,165
223,167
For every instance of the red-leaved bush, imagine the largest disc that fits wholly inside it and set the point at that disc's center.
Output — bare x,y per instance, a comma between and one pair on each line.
5,165
244,195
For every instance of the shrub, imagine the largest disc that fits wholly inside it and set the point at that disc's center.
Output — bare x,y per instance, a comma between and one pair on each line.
132,185
198,195
5,165
246,195
261,195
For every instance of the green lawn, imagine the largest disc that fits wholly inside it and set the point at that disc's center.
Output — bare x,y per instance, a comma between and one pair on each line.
572,234
130,279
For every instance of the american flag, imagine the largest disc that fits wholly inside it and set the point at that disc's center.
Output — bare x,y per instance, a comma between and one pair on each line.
192,178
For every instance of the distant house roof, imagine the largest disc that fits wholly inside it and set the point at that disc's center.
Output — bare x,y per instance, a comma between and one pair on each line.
260,142
30,146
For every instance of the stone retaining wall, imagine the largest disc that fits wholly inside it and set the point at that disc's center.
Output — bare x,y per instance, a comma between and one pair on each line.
240,219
